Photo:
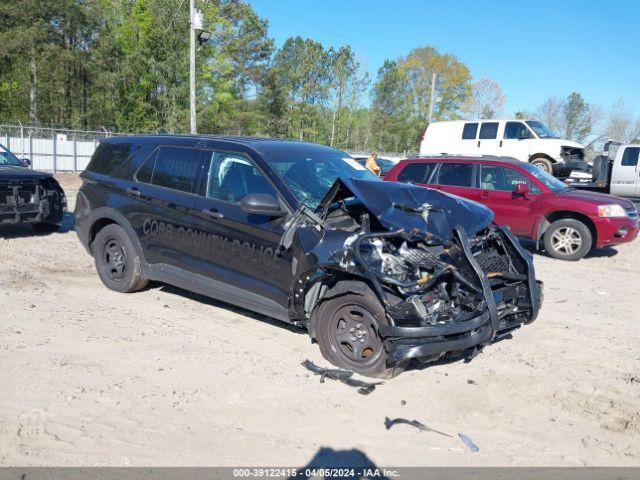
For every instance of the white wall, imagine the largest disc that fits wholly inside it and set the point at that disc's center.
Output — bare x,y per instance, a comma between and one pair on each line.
70,155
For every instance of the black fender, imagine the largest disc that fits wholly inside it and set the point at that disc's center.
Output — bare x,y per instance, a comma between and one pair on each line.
336,282
112,216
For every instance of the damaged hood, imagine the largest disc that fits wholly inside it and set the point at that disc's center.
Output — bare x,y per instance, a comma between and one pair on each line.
400,205
13,172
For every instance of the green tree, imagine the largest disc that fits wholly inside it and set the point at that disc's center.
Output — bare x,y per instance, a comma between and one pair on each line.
298,85
577,117
343,66
390,108
452,87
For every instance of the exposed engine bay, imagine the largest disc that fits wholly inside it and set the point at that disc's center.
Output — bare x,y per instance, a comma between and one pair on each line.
446,287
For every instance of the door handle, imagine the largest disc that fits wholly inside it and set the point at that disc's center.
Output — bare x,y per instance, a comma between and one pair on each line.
500,142
213,213
485,194
133,191
478,143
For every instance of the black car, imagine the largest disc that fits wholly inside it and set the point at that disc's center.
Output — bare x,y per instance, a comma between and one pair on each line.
377,272
28,196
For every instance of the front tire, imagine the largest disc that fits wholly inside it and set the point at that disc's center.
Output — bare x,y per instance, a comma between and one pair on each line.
347,331
543,164
568,239
117,261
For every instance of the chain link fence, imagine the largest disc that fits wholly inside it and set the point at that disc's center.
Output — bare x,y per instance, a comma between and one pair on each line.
52,149
66,150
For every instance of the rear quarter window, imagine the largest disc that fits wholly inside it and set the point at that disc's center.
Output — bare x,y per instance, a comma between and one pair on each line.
109,157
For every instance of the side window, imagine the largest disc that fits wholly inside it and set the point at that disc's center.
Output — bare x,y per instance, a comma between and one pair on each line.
456,174
469,131
172,167
145,172
416,172
488,130
514,130
503,179
108,157
232,176
630,156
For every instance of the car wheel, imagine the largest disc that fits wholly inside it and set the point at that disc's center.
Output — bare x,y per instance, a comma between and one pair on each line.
347,331
46,227
568,239
543,164
117,261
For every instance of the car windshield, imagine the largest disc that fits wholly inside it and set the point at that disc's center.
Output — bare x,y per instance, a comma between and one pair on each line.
551,182
542,130
8,159
310,176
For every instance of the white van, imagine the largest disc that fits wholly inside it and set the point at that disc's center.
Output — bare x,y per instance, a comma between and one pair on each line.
527,140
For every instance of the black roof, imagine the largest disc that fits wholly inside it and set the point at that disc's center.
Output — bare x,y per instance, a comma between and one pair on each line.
261,145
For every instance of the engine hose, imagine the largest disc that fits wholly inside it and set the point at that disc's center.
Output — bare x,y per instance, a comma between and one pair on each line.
507,275
466,282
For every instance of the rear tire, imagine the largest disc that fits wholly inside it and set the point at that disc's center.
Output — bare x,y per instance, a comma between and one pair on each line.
347,331
568,239
117,261
543,164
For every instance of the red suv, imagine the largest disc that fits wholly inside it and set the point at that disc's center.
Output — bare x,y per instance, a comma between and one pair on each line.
531,202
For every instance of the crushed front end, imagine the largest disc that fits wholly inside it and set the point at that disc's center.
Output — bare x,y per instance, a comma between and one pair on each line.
31,200
450,297
450,280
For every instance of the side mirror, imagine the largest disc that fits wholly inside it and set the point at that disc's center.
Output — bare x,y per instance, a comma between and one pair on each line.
522,189
25,162
262,204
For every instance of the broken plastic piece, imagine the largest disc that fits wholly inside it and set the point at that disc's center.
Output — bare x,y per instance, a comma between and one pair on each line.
414,423
468,442
364,388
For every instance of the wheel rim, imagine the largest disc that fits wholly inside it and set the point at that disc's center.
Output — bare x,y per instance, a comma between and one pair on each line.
115,259
566,240
355,335
542,166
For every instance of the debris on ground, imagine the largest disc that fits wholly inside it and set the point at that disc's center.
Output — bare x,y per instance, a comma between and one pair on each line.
414,423
344,376
468,442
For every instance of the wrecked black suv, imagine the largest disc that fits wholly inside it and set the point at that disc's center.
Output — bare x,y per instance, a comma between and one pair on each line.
28,196
377,272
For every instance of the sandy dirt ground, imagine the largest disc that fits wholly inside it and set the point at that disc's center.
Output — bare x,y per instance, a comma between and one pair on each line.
163,377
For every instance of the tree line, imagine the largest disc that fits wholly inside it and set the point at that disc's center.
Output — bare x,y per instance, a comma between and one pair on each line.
123,65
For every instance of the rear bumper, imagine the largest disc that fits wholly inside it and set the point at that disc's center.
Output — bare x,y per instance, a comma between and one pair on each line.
473,330
614,231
